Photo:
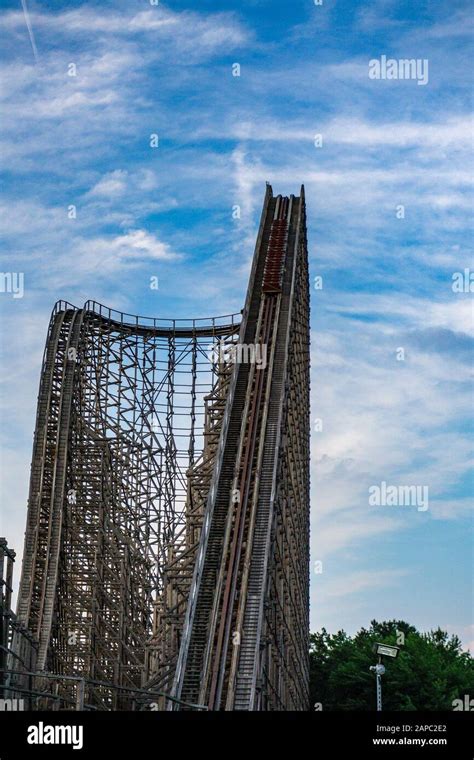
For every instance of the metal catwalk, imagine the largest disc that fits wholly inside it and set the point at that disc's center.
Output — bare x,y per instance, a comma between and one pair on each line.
166,558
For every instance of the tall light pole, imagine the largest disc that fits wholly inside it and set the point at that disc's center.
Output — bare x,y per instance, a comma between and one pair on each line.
382,650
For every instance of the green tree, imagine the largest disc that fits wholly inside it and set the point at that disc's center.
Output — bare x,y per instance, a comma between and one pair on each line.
430,671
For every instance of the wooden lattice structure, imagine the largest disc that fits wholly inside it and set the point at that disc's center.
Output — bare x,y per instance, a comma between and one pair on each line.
166,557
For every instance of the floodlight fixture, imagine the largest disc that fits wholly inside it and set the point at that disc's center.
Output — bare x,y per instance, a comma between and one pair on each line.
382,650
387,650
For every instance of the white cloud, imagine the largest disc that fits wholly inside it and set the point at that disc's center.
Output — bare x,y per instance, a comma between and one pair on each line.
454,314
360,581
454,131
201,34
114,254
137,244
459,24
113,183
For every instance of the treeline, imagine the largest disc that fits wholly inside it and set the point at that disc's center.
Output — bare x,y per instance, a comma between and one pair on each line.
431,672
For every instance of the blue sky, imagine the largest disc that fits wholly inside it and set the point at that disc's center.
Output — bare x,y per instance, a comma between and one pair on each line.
84,140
